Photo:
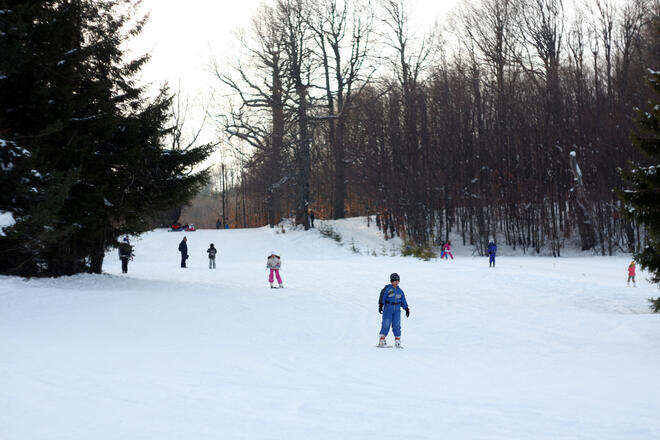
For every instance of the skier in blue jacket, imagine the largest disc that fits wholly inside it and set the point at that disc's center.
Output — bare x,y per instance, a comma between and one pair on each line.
492,250
390,302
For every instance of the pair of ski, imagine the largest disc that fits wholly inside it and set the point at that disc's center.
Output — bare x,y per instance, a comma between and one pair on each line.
389,346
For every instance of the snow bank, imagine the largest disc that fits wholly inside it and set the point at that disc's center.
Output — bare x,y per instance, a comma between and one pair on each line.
361,236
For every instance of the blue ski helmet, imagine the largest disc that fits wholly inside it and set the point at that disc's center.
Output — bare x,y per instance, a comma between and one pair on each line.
394,277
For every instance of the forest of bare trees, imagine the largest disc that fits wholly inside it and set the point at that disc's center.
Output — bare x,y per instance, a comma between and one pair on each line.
510,120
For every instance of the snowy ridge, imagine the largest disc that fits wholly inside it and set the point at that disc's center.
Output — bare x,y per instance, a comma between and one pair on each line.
537,348
361,237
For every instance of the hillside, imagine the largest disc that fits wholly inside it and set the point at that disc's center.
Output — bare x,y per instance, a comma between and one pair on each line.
537,348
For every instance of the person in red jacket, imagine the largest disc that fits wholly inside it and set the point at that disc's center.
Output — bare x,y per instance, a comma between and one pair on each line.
446,250
631,274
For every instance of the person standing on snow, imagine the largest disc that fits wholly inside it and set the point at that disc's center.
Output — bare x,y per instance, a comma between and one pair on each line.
492,250
274,263
390,302
446,250
211,251
183,248
631,274
125,254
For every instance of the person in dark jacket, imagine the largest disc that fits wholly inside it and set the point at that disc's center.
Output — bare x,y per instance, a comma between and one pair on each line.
390,302
211,251
125,254
492,250
311,217
183,248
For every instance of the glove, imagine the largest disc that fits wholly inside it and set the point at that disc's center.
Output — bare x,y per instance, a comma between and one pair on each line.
380,309
407,312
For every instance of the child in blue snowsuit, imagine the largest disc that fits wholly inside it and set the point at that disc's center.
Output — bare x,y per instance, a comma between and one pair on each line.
390,302
492,250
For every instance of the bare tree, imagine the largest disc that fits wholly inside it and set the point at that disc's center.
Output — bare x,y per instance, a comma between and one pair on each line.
411,58
342,31
296,33
182,137
489,26
476,142
263,89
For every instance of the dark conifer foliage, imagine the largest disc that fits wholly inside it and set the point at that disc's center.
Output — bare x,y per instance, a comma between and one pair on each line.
643,196
83,151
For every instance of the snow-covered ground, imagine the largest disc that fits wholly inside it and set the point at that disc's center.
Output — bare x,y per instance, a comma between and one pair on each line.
537,348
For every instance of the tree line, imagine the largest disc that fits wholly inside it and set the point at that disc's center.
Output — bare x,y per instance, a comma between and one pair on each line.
514,121
83,153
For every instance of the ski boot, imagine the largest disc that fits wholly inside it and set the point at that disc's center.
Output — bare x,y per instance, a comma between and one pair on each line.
382,342
271,286
397,343
281,286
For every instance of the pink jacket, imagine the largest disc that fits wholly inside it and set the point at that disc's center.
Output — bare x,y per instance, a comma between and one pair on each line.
631,270
447,247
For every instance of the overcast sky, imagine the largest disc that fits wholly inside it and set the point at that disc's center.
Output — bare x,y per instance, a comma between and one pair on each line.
184,36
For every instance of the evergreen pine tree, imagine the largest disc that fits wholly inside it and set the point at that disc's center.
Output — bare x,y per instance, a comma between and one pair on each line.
643,197
85,144
33,78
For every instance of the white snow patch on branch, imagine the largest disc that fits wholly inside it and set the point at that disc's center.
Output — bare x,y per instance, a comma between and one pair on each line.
6,220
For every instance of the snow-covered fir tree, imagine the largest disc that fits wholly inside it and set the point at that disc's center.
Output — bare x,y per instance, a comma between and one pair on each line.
82,144
643,197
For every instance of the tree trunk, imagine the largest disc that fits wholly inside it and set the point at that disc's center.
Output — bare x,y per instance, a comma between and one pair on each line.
304,159
584,217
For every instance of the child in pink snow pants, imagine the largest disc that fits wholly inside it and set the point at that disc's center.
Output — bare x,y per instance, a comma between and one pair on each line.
274,263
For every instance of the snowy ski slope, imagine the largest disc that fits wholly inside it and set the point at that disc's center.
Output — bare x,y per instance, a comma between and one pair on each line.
537,348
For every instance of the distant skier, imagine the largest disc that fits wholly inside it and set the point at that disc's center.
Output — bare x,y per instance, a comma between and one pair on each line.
274,263
211,251
446,250
311,217
183,248
390,302
492,250
631,274
125,254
